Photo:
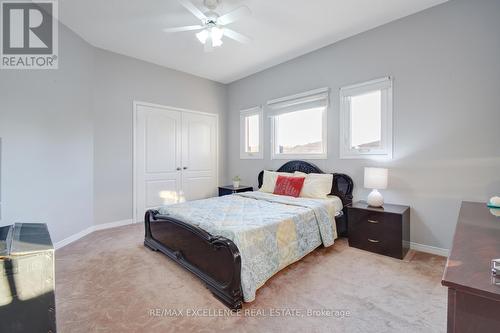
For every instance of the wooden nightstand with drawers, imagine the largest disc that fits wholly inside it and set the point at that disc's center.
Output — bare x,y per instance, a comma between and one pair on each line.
230,189
384,230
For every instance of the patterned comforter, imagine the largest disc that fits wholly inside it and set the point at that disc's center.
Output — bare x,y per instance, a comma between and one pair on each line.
270,231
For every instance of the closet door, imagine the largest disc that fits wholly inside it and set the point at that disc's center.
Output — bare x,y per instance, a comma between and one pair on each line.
157,158
199,155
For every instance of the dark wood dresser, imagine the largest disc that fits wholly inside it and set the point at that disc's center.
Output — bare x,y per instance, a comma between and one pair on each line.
473,296
384,230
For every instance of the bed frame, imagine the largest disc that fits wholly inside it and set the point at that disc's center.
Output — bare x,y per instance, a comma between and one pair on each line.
214,259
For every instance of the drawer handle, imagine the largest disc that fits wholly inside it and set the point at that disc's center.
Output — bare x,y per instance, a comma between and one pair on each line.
373,240
373,221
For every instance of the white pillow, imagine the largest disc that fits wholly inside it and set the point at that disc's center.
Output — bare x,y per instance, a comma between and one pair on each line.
316,185
269,180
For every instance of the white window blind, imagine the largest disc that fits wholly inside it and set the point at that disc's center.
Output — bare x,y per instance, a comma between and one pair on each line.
312,99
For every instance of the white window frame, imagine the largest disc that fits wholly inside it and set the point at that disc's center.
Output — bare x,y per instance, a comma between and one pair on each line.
243,115
295,102
386,151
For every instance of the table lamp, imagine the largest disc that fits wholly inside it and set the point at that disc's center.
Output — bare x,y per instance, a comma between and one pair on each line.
376,179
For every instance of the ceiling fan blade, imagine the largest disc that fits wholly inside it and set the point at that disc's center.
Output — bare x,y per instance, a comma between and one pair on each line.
236,36
208,45
193,9
185,28
234,15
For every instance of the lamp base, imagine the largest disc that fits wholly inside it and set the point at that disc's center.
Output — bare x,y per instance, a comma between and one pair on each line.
375,199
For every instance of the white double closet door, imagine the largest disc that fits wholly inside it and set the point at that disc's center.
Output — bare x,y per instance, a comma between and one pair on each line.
175,157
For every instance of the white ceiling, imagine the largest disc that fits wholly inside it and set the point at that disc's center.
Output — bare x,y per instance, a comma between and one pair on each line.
280,30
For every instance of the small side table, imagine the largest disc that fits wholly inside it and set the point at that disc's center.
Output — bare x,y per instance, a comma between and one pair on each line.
230,189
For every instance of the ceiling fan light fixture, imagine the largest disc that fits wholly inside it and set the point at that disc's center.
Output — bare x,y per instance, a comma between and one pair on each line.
211,35
213,26
216,43
202,36
217,34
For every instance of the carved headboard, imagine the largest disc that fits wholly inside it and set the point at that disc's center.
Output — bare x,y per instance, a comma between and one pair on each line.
342,185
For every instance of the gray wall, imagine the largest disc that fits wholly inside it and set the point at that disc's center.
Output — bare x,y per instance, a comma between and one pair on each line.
67,133
446,69
46,131
120,80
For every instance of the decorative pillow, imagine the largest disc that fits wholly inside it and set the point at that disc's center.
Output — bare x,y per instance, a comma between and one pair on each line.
290,186
316,185
269,180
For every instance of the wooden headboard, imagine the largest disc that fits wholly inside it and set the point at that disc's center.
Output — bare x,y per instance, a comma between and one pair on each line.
342,184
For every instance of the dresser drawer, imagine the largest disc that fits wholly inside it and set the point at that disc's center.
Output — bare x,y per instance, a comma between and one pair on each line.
374,223
376,232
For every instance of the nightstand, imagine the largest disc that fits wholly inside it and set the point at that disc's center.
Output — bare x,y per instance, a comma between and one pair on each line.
384,230
230,189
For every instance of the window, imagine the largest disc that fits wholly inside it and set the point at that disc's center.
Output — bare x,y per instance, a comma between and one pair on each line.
366,120
251,133
298,125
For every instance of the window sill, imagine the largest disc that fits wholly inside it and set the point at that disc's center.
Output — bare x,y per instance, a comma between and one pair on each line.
347,156
251,157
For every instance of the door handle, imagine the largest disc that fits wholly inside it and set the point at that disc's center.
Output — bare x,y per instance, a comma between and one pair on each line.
373,240
373,221
185,168
178,169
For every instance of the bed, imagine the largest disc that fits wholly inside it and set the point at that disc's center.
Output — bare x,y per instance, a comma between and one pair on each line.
235,243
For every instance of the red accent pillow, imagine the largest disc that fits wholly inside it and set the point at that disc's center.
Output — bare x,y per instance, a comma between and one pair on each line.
290,186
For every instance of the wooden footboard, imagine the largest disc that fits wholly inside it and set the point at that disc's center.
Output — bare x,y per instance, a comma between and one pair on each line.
214,259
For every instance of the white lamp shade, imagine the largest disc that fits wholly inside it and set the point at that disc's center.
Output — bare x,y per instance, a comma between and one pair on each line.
376,178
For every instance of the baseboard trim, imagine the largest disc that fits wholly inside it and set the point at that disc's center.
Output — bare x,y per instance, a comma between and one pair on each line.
73,238
429,249
113,224
90,230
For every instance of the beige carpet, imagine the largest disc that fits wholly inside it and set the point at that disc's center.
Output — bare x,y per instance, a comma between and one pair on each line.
109,282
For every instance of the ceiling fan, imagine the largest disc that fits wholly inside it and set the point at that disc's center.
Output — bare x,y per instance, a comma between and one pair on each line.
213,26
